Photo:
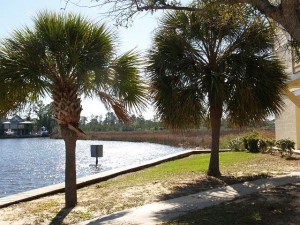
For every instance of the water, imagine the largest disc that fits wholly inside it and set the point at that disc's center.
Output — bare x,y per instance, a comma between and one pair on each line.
36,162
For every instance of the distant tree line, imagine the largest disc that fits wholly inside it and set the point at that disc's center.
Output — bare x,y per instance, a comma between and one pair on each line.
111,123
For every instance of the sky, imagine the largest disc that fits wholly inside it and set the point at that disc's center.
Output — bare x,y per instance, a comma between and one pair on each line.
17,13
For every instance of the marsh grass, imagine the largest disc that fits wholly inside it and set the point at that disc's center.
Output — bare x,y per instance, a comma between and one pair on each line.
189,139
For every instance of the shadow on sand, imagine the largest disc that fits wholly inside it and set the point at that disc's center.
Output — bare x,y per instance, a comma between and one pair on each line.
60,216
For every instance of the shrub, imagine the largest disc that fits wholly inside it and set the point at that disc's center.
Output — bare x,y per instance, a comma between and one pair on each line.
251,142
270,143
235,144
285,146
262,145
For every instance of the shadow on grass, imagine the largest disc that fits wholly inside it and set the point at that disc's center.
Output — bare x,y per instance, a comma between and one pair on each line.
61,215
207,183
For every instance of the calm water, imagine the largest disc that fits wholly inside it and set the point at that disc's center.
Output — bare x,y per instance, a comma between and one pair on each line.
36,162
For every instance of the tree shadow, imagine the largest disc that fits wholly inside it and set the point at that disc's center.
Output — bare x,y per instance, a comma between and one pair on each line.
207,183
60,216
292,158
272,205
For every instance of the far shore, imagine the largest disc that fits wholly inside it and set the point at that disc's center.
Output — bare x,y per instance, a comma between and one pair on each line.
23,136
188,139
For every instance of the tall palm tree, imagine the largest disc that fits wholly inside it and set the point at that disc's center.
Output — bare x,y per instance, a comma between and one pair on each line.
67,57
215,63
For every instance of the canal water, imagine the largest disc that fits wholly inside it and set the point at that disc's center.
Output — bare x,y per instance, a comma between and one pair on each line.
36,162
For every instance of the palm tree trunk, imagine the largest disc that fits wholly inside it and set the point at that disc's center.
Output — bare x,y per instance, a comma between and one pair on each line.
215,118
67,110
70,138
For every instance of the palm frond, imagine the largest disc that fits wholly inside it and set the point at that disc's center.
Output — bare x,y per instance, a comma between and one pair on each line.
178,108
126,83
256,89
117,106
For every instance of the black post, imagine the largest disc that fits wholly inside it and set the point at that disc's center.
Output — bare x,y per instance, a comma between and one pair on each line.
96,151
97,158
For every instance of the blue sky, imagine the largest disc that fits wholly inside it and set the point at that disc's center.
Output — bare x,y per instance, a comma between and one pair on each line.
17,13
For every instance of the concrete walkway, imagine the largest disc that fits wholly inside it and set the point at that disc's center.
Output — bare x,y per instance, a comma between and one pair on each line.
297,151
159,212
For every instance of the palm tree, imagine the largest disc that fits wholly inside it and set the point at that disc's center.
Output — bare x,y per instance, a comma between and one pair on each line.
216,63
67,57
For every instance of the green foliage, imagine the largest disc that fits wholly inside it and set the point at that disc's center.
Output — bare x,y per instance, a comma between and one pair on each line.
262,145
185,77
220,61
62,50
270,144
236,144
253,142
285,146
203,65
45,117
111,123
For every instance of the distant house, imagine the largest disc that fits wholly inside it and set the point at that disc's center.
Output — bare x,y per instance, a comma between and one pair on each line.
16,126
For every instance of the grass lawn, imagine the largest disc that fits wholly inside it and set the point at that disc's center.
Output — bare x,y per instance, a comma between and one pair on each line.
164,181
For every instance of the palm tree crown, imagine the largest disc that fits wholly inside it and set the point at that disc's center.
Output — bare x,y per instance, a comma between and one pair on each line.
215,62
69,52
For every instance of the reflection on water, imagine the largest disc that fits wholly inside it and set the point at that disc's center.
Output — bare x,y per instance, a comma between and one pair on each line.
36,162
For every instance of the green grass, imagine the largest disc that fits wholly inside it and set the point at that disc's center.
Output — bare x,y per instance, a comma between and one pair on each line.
195,163
182,167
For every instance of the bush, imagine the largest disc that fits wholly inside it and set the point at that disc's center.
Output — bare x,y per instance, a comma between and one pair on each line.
262,145
251,142
235,144
285,146
255,143
271,143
